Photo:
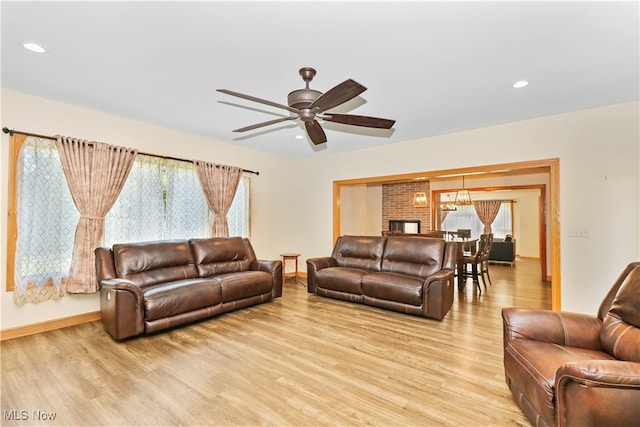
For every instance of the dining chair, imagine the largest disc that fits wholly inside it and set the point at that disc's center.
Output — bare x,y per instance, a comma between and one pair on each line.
484,262
478,261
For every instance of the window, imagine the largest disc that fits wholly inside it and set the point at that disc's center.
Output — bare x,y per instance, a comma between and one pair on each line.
503,224
162,199
42,223
466,217
239,215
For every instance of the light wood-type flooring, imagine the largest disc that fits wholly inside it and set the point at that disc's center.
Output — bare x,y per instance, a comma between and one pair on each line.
301,360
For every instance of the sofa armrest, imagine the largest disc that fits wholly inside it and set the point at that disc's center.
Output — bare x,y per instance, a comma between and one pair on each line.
437,294
275,269
562,328
598,392
121,308
446,274
313,266
600,373
122,284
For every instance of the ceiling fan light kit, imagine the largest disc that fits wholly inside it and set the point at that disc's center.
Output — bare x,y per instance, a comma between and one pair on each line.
309,105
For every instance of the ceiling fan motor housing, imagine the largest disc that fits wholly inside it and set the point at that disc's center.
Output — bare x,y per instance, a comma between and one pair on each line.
302,98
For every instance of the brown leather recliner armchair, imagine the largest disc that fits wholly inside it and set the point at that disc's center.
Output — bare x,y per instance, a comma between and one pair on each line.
571,369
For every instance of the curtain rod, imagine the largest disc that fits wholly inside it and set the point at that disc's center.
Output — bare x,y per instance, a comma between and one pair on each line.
12,131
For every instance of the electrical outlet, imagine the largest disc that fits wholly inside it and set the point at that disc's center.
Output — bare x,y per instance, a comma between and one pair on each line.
578,232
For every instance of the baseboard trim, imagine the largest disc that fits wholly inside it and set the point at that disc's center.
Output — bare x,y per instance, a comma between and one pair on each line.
36,328
65,322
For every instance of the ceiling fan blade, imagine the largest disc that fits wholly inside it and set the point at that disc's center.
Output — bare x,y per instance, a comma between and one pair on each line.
315,132
260,100
365,121
270,122
337,95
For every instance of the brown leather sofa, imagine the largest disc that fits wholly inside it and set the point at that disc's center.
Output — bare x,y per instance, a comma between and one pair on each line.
150,286
406,274
570,369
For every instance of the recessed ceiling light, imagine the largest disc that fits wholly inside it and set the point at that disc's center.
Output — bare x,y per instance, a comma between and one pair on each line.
34,47
299,136
520,83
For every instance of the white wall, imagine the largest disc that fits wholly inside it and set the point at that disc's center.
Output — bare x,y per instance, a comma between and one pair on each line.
292,209
361,210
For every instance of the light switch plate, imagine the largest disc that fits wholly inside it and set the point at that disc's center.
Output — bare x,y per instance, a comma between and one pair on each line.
578,232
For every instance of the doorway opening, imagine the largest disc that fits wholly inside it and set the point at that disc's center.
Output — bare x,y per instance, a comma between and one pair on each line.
506,172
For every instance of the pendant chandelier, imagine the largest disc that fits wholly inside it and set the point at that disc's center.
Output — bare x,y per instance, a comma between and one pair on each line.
463,197
447,205
420,200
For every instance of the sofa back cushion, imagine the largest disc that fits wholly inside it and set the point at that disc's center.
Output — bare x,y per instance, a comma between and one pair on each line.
148,263
413,256
605,306
363,252
620,333
218,255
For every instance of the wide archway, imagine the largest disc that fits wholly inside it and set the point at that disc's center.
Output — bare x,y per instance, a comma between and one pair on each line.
552,216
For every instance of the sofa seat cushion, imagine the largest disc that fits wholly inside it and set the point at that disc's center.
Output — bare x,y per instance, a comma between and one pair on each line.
393,287
532,367
244,284
343,279
172,298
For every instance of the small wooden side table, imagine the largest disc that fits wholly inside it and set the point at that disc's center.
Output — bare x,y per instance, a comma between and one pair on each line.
285,257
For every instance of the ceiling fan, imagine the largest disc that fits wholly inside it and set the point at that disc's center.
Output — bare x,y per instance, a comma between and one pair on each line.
308,105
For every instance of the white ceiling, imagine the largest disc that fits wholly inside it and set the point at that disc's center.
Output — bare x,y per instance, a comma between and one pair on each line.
434,67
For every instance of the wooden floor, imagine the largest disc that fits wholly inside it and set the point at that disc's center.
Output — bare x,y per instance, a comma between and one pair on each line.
301,360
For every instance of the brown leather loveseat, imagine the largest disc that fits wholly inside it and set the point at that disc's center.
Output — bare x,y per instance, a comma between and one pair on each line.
570,369
406,274
149,286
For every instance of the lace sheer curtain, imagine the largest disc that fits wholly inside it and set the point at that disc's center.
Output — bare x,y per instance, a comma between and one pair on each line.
44,242
239,212
162,199
95,172
188,214
138,214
